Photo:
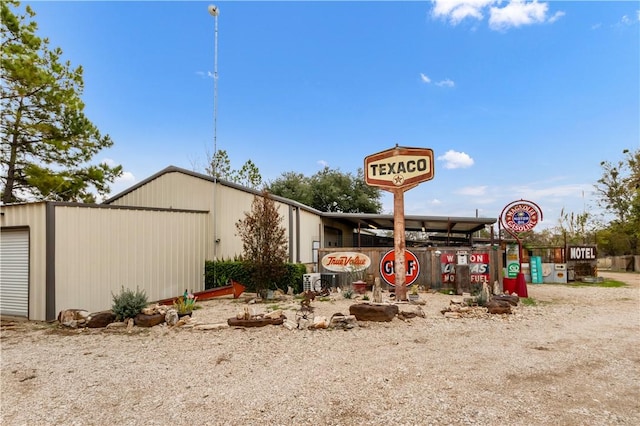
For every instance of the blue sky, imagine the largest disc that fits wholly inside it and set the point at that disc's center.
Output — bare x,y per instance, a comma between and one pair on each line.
517,99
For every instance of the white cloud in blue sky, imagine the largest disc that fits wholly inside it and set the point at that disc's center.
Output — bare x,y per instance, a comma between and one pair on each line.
515,13
456,160
442,83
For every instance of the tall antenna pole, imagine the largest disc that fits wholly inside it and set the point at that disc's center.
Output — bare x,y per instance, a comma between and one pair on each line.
214,11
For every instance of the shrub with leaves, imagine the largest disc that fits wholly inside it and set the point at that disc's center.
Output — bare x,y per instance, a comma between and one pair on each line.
128,303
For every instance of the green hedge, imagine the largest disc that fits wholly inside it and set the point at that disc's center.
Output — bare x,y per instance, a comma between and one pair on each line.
224,270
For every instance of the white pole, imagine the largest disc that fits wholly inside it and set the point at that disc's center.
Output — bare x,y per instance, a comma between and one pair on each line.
214,11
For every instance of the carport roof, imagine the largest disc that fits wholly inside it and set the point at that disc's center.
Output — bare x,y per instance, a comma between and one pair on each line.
440,224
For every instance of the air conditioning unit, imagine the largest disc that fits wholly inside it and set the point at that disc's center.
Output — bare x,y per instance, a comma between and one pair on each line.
311,282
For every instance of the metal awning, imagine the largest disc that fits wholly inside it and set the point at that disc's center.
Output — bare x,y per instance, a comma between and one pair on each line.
439,224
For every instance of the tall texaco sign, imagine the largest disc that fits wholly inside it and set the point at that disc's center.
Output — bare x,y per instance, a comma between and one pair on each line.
399,167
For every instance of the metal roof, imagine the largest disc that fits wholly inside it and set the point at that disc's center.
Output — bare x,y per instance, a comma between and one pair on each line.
441,224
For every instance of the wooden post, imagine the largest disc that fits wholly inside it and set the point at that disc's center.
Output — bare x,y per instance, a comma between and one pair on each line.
399,266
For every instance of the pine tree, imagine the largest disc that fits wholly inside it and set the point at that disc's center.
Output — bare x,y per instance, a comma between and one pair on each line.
47,142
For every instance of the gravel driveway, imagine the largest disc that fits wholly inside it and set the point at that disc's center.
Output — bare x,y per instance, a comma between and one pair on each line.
573,358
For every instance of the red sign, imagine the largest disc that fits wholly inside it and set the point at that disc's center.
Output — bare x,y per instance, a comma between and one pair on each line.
448,267
399,167
521,216
412,266
479,267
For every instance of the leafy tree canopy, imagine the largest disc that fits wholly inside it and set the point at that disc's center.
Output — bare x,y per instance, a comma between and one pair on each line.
329,191
47,142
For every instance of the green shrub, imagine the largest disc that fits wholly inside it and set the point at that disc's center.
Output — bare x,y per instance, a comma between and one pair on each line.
347,294
128,304
218,273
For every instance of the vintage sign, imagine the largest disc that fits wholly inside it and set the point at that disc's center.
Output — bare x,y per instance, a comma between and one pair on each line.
448,268
582,253
521,216
479,267
412,267
399,167
345,261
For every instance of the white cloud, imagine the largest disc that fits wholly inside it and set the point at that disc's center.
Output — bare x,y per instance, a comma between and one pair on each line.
424,78
556,16
458,10
596,26
323,163
125,178
456,160
475,191
515,13
109,162
446,83
435,202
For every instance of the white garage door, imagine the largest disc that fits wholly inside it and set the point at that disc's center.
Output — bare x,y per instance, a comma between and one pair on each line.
14,272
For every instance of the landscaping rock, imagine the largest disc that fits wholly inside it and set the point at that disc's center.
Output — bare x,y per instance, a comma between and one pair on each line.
144,320
101,319
370,312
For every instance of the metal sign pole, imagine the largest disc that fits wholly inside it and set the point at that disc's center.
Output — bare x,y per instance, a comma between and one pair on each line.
399,242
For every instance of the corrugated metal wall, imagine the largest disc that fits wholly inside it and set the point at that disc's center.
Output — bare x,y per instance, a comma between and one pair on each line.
32,216
183,191
98,250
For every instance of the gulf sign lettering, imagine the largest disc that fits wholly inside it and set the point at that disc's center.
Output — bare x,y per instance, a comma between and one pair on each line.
345,261
412,267
399,167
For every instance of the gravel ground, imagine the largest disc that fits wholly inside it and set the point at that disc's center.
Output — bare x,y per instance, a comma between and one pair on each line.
572,359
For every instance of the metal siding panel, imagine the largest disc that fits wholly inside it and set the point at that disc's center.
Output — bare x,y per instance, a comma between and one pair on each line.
14,272
161,253
32,216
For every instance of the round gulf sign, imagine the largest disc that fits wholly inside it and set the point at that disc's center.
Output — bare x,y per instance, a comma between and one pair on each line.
412,266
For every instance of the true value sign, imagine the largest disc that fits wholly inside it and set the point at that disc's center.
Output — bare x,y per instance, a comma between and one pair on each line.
399,167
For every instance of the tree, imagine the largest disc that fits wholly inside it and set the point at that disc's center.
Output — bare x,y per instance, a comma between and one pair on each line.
330,191
264,241
46,140
619,194
294,186
249,175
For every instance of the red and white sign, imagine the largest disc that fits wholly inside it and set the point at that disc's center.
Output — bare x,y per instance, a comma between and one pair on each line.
399,167
448,267
479,267
346,261
412,267
521,216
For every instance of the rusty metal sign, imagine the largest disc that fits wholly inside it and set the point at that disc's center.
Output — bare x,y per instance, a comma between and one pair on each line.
399,167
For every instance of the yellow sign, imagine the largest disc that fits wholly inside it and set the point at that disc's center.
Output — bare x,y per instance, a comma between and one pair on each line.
399,167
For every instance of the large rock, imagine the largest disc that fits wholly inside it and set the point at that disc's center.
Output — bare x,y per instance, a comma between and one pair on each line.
371,312
101,319
144,320
495,306
73,317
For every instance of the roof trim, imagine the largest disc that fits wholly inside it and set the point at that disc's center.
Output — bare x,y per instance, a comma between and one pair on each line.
174,169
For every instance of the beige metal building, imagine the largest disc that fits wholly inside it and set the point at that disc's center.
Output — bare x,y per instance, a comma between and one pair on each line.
156,236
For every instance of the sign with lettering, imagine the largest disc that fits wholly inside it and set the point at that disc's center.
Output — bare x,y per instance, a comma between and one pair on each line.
399,167
582,253
346,261
521,217
479,268
412,267
448,267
